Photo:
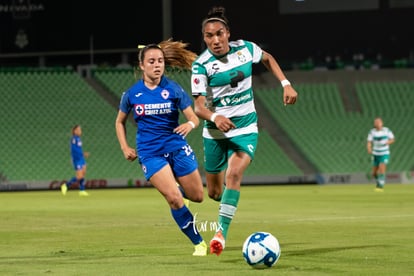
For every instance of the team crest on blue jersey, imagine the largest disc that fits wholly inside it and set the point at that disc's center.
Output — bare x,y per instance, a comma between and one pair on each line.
165,94
139,109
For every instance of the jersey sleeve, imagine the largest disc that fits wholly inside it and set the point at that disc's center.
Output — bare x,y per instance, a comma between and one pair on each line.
369,138
125,105
183,100
199,82
255,50
390,135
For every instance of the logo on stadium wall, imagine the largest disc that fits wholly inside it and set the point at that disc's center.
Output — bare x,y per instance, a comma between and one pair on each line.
139,109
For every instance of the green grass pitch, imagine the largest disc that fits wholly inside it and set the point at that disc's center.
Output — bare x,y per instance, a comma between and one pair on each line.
322,230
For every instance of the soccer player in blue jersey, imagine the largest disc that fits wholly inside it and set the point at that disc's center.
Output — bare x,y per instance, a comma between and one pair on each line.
378,145
222,86
78,160
161,147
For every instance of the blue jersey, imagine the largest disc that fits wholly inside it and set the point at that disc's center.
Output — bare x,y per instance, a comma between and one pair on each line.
156,113
76,150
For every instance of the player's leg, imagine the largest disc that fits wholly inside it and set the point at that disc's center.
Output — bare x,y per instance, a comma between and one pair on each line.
215,185
381,175
243,148
215,163
66,185
376,172
164,181
185,168
192,186
238,163
80,175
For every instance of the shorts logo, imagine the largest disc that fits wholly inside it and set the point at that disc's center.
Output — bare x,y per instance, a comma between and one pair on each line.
250,147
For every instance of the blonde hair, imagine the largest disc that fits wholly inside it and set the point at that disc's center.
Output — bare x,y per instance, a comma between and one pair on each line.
175,53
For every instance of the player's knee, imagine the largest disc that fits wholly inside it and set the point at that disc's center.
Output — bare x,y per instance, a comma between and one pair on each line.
215,195
197,197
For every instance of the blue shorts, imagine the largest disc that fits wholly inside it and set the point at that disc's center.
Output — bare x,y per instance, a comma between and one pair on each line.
378,159
182,162
78,164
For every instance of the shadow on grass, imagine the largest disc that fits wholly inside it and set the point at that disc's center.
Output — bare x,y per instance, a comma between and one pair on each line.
313,251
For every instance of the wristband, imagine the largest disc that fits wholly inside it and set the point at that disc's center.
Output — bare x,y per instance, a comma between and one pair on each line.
191,124
213,117
285,82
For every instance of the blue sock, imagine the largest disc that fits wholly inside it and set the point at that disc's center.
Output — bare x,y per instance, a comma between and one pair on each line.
82,184
185,221
71,181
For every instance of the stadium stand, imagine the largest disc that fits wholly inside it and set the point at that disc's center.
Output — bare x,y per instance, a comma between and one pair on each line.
334,139
40,107
118,80
328,125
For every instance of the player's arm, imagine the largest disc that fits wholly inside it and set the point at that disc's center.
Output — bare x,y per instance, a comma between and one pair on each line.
129,153
289,93
369,147
223,124
200,108
391,141
192,122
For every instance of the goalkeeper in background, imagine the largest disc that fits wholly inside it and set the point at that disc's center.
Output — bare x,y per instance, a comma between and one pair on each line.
379,140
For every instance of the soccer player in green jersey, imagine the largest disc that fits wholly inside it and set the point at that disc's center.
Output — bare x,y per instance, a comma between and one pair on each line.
221,83
378,145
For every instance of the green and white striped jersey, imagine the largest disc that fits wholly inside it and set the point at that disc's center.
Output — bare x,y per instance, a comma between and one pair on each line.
227,84
379,139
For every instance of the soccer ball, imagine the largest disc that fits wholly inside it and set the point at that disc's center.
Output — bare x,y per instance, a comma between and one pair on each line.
261,250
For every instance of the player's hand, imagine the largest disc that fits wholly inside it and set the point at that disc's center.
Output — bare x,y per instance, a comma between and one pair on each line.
130,154
289,95
183,129
224,124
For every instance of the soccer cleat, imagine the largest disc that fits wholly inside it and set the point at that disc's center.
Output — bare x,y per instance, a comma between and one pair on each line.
83,193
200,249
63,188
217,243
380,190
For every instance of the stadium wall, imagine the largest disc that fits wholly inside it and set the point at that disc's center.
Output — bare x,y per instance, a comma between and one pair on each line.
311,179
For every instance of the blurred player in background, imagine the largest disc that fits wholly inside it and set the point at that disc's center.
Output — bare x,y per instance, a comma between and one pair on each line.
78,161
379,140
222,86
163,152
